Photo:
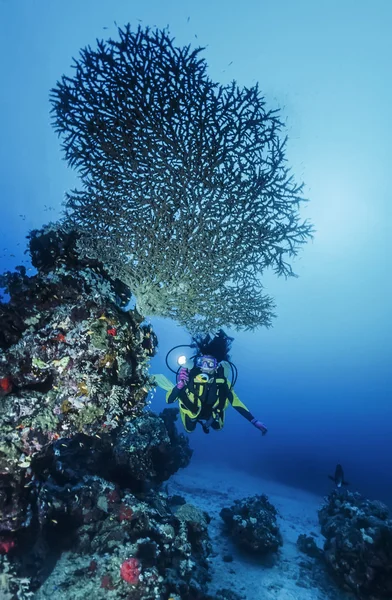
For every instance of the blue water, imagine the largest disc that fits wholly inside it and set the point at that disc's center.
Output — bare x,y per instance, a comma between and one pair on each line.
321,377
318,414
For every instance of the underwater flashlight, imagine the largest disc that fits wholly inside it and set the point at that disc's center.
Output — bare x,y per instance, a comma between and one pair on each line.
180,360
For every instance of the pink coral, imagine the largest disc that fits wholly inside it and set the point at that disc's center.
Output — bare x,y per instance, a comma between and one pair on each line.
6,546
130,570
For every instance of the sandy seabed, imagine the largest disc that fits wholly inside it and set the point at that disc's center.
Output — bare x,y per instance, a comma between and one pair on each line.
291,575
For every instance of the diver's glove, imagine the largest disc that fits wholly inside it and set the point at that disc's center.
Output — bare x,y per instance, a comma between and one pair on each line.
183,378
259,425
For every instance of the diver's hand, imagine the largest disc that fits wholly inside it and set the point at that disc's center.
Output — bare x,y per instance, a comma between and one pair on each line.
183,378
259,425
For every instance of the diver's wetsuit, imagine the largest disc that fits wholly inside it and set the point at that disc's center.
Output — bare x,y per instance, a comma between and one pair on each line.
206,398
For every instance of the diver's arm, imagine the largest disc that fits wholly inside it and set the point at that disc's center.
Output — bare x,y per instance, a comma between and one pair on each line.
183,378
173,395
241,408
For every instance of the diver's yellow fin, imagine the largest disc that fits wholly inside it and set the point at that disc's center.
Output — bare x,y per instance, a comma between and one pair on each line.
163,382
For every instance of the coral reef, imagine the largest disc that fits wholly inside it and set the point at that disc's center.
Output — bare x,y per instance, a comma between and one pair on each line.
11,586
186,196
136,549
358,546
252,524
150,447
80,455
66,374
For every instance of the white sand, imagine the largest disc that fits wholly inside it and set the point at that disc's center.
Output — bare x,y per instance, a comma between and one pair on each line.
211,489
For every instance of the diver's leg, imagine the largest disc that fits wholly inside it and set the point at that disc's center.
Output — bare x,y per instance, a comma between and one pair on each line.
214,421
218,422
189,424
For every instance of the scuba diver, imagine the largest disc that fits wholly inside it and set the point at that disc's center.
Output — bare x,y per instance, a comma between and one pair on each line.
203,389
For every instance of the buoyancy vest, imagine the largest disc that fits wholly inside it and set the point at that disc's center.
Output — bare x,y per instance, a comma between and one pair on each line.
203,391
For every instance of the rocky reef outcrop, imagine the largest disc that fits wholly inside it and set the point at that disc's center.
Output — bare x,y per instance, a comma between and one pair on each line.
133,545
72,363
252,524
81,456
358,546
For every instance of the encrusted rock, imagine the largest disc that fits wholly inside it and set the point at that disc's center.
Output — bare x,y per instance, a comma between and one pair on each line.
358,546
252,524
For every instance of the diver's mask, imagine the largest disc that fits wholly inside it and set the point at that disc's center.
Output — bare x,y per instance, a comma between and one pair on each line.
207,364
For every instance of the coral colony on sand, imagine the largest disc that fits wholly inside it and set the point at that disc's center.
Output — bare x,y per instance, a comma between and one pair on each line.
252,524
182,179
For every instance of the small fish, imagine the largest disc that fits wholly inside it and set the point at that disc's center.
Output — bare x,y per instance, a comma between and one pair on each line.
338,478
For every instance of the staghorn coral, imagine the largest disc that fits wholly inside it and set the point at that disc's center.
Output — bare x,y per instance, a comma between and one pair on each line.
186,196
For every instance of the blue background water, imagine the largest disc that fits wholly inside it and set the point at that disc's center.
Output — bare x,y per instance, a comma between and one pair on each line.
321,378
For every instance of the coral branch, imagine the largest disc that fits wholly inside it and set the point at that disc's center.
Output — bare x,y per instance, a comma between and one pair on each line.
186,195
